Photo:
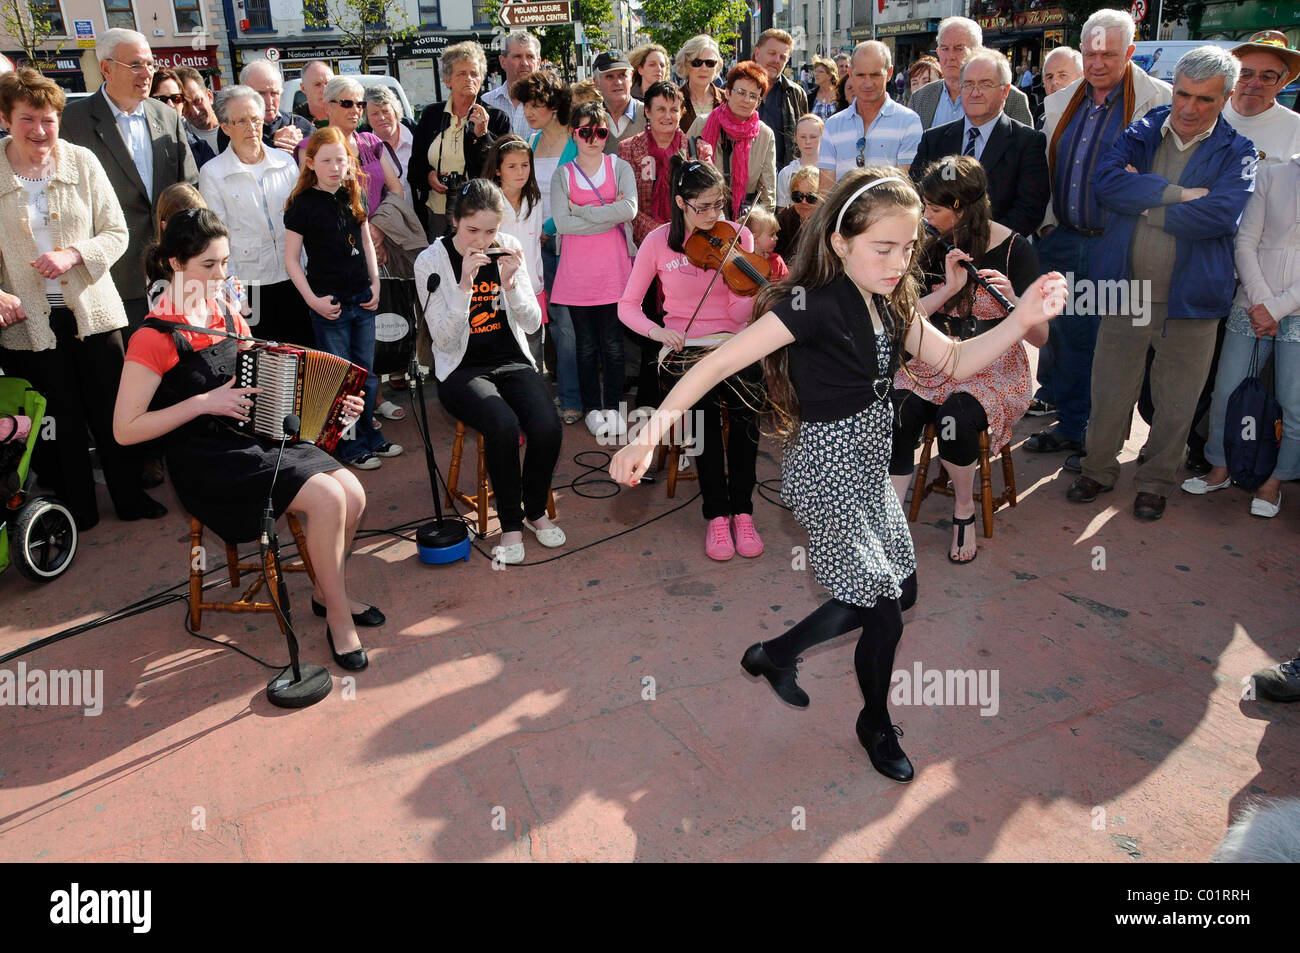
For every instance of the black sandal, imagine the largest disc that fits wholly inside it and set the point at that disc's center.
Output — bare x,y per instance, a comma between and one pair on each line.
961,539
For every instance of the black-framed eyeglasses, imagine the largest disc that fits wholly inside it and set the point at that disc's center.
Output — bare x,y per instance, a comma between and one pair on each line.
862,150
171,99
588,133
709,63
810,197
350,103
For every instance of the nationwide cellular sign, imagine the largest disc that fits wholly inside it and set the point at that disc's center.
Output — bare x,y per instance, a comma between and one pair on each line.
524,14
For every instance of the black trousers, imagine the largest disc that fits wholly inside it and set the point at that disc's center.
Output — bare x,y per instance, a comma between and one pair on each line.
958,422
648,390
727,477
278,313
79,379
500,403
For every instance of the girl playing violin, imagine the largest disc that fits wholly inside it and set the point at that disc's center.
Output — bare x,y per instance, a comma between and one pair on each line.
832,336
699,196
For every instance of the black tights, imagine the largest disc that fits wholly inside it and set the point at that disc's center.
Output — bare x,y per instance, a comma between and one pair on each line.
873,659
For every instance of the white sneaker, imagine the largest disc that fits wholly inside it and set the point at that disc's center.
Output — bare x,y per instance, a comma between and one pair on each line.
596,423
1264,508
617,425
1198,487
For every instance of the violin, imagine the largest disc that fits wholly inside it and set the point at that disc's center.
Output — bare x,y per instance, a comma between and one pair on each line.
717,250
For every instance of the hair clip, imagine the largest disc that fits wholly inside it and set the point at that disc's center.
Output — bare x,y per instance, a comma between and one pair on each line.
956,204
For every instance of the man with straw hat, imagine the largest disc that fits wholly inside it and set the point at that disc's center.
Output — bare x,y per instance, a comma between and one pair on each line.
1267,67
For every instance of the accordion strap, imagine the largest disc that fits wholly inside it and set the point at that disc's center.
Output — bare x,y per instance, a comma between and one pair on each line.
172,327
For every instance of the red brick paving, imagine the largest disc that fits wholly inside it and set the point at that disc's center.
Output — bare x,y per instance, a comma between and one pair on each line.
517,696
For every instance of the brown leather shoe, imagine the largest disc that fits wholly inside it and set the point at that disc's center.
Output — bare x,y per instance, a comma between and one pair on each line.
1085,490
1149,506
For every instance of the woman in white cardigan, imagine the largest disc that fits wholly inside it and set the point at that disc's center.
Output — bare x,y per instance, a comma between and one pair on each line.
1265,316
60,314
480,311
247,186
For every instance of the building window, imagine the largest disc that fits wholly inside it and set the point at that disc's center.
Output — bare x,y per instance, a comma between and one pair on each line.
118,13
430,14
53,13
259,14
318,9
480,14
837,15
188,17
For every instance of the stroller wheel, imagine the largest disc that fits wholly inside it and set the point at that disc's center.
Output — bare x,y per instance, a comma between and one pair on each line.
43,539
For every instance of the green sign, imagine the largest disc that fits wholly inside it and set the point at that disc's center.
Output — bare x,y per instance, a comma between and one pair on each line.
1250,16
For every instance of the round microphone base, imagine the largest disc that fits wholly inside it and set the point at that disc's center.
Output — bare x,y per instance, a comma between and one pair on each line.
445,542
283,692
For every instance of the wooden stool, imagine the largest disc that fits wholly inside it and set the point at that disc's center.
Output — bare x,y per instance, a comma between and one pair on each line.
675,454
484,494
940,484
234,567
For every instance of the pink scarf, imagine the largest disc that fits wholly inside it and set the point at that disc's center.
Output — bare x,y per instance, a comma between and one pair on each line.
742,133
660,205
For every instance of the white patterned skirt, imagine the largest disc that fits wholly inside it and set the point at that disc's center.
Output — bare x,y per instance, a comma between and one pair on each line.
835,477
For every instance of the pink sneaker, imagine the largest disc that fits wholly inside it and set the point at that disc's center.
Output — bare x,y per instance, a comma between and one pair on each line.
748,543
717,540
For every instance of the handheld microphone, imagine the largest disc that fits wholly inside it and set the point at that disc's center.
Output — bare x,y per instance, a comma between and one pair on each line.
971,270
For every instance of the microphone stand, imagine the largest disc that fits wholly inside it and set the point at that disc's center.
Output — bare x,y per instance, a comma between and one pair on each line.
297,685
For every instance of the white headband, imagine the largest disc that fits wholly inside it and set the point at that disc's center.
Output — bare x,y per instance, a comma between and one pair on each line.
856,195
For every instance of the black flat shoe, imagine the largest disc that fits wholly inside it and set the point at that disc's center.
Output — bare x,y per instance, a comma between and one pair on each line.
353,661
1046,441
370,618
884,751
146,508
756,663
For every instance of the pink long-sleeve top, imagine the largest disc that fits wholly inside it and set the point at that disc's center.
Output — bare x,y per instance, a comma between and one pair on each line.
723,311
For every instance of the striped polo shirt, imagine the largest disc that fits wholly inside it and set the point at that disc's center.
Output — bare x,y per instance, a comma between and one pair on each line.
892,139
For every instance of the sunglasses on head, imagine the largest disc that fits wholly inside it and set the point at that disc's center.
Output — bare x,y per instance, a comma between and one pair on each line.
349,103
709,63
593,132
796,196
171,99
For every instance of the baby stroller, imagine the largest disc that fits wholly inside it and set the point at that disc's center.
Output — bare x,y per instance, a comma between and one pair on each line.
36,532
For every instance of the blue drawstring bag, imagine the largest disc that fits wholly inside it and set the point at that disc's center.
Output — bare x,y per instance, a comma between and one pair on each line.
1252,429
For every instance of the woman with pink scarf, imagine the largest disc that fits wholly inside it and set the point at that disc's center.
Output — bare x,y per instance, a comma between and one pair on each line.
744,148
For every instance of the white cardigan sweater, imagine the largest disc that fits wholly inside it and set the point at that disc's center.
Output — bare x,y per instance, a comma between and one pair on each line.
85,215
1268,242
446,309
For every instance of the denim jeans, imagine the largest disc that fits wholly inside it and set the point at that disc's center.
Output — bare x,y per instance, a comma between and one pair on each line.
352,336
1234,365
600,343
560,329
1070,354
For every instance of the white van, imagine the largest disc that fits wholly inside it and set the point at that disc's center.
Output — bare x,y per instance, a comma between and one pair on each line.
1159,57
293,87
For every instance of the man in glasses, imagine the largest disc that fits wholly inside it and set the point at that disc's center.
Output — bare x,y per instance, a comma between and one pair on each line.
1014,156
785,101
141,144
874,130
939,102
1267,68
280,130
614,80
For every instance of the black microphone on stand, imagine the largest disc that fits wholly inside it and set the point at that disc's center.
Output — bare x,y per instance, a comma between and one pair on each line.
296,686
971,270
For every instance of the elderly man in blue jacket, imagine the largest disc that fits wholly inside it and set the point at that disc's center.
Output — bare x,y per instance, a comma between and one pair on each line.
1176,182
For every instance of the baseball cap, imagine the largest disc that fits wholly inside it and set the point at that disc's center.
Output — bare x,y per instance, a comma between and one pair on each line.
611,59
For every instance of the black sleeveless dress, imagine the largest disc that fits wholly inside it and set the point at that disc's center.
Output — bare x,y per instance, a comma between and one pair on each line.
222,474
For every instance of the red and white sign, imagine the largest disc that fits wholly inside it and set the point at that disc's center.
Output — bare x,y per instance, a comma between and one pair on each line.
272,53
1138,10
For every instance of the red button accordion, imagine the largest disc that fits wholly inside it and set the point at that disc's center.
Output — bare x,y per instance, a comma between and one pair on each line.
298,380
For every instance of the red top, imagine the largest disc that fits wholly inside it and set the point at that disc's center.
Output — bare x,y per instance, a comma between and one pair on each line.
156,350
